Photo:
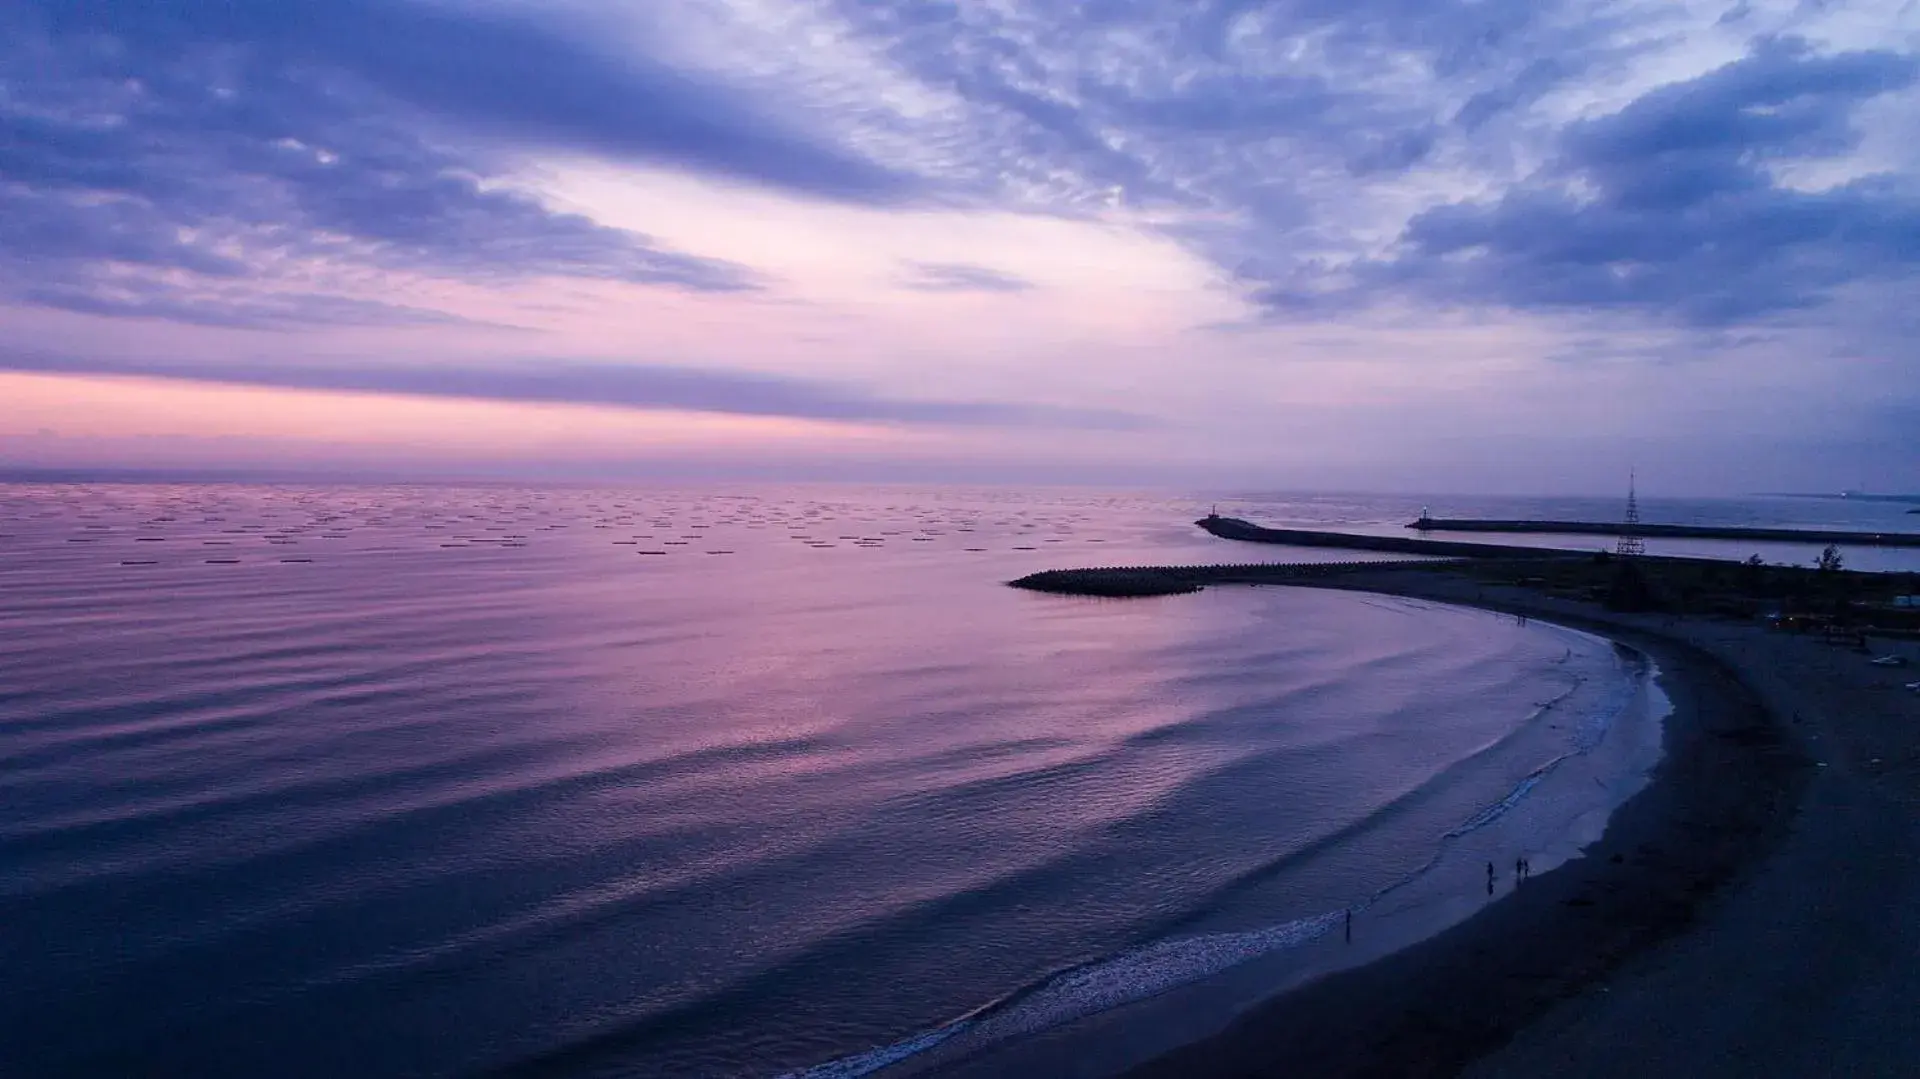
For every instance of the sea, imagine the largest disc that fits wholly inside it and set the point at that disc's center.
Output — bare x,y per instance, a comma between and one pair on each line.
675,780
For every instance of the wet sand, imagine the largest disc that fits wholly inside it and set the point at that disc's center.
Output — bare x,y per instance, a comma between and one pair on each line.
1750,913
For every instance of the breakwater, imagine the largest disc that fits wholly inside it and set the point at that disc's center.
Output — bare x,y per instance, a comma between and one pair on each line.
1666,531
1131,581
1234,528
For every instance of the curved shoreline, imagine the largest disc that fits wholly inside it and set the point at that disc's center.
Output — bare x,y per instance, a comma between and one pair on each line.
1739,916
1150,980
1721,798
1744,915
1724,794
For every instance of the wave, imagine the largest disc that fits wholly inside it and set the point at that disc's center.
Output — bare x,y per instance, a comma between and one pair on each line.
1089,989
1159,966
1588,733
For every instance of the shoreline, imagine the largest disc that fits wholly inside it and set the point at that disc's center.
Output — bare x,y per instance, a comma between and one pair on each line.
1661,916
1422,904
1727,784
1443,896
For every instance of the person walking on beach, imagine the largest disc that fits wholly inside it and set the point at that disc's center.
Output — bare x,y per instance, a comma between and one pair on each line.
1489,878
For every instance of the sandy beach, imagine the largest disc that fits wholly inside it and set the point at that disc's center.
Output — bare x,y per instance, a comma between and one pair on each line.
1747,914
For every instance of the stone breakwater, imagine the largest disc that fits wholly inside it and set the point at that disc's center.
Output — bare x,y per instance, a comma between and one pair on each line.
1234,528
1130,581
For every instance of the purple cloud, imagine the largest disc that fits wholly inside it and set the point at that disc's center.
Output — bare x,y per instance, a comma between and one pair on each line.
960,277
1670,208
620,385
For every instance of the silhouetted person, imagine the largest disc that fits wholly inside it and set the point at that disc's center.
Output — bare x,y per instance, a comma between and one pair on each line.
1349,925
1489,878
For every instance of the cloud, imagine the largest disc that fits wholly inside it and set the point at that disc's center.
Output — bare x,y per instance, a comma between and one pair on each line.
1326,155
136,296
487,67
1319,152
155,148
1677,207
639,386
1273,138
255,140
1149,103
960,277
1671,206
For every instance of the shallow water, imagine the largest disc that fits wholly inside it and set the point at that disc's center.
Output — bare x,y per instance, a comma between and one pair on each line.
383,781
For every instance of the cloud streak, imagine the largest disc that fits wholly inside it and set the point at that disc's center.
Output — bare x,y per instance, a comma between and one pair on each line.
134,296
636,386
488,68
960,277
229,142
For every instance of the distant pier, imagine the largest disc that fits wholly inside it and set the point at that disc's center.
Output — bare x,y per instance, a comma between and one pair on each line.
1658,531
1234,528
1594,573
1120,582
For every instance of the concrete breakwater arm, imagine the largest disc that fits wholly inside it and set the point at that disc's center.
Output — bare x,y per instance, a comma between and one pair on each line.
1234,528
1132,581
1666,531
1127,581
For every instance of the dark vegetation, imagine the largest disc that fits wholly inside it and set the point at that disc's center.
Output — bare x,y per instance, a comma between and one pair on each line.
1822,595
1672,531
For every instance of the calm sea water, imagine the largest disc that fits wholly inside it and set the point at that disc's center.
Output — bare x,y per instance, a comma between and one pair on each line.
425,781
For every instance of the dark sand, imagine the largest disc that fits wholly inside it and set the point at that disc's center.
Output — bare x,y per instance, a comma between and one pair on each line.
1755,911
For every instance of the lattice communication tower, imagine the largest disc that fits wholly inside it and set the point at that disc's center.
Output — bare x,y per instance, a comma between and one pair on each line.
1630,545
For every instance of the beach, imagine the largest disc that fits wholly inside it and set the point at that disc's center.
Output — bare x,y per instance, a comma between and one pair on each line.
1741,916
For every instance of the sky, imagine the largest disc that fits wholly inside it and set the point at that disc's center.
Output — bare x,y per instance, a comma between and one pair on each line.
1410,245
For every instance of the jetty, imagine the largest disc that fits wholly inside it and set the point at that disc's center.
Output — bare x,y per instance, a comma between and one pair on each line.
1234,528
1666,531
1128,582
1839,603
